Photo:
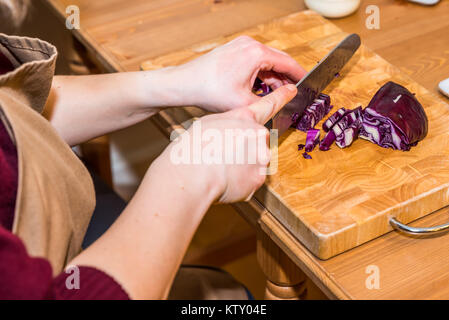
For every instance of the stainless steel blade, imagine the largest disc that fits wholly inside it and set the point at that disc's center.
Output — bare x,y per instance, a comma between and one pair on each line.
315,82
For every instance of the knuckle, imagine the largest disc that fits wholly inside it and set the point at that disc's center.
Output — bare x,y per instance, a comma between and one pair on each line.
265,157
260,179
257,49
248,100
270,103
246,113
266,132
244,38
242,100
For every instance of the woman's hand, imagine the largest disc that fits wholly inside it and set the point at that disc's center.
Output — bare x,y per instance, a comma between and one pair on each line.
225,154
223,79
145,246
219,81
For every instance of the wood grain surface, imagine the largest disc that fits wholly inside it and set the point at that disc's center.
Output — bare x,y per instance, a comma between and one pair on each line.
410,36
408,268
122,34
345,197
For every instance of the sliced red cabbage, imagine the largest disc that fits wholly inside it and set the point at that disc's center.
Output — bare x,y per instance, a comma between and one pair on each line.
325,97
313,113
300,147
295,118
344,131
349,117
312,139
260,88
333,119
349,134
326,143
394,118
306,156
347,129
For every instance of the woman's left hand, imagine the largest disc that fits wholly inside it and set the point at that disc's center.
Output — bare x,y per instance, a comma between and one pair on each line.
223,79
219,81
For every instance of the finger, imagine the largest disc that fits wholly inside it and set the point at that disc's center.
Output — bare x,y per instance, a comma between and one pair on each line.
250,196
278,51
264,109
282,63
272,79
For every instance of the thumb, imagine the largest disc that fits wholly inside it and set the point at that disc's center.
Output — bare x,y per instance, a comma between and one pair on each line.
264,109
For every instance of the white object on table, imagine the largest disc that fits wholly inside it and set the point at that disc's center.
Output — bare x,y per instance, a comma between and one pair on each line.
426,2
444,87
333,8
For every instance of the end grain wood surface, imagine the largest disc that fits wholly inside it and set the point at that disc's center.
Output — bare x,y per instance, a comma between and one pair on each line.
344,197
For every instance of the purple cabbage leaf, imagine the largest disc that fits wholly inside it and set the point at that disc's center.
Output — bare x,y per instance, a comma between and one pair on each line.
313,113
394,118
312,139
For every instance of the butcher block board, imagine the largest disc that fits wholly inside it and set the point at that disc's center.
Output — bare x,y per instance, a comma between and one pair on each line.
345,197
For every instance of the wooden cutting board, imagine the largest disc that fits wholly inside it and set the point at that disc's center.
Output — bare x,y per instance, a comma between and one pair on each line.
345,197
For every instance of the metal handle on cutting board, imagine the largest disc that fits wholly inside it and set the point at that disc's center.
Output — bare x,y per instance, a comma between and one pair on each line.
418,231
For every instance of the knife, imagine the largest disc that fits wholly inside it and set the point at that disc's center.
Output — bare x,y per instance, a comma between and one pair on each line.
314,82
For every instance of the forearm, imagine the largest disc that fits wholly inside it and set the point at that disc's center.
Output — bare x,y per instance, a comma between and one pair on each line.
85,107
144,248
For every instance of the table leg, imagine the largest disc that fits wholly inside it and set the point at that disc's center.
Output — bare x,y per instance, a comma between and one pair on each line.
285,281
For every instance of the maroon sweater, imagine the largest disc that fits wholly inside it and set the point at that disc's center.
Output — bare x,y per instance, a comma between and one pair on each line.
24,277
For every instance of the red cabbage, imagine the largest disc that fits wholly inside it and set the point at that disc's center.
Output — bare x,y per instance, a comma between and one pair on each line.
325,97
394,118
313,113
295,118
312,139
326,143
346,121
349,134
260,88
344,131
333,119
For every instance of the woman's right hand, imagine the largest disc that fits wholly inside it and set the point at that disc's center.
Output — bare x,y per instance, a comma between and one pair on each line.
205,156
144,247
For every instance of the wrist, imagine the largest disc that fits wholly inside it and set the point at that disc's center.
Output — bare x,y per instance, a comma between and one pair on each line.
165,88
189,186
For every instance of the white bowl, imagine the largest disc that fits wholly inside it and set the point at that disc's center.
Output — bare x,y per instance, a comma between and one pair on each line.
444,87
426,2
333,8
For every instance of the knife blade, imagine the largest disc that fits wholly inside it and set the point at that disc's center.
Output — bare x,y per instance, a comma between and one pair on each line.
315,82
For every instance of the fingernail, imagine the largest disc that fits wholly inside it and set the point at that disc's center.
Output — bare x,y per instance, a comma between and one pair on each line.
291,87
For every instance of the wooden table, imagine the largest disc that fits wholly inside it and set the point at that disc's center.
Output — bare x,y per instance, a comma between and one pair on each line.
121,34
